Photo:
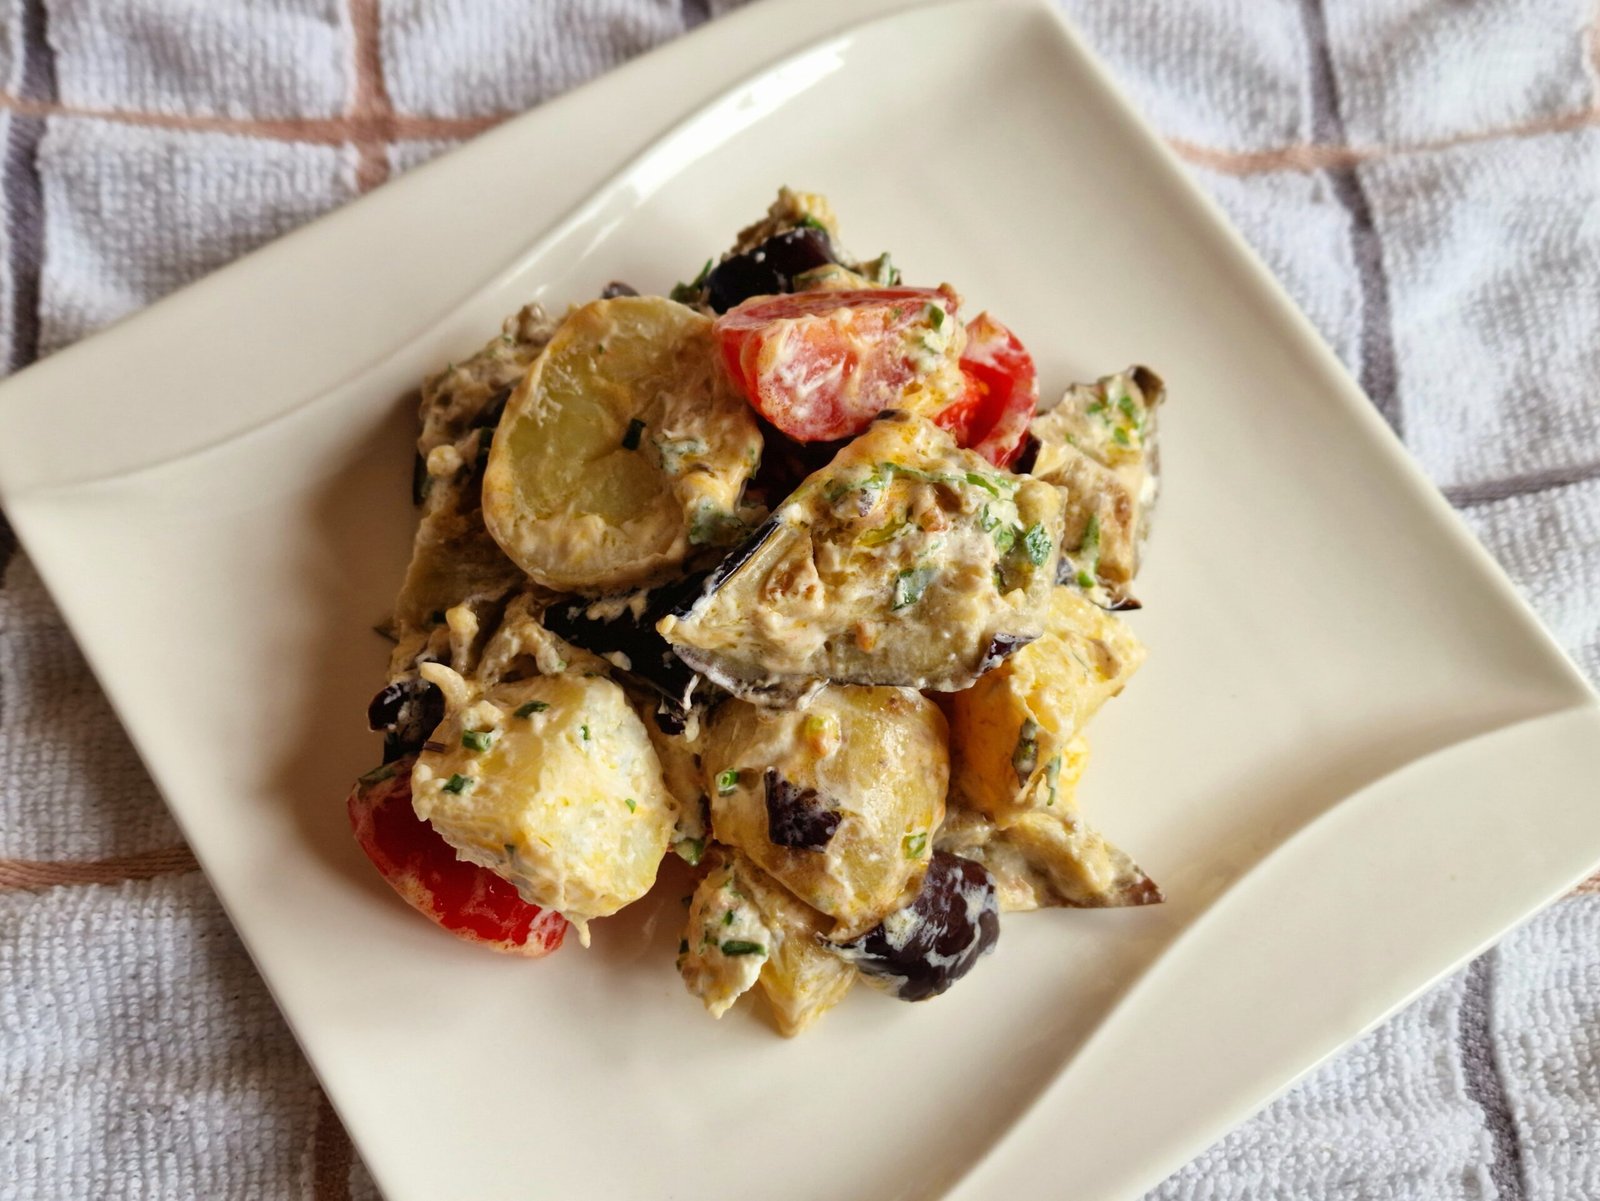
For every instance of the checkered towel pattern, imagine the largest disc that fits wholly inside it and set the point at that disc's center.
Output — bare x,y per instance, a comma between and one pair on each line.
1423,176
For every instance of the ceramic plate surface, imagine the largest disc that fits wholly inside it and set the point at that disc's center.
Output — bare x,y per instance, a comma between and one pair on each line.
1352,760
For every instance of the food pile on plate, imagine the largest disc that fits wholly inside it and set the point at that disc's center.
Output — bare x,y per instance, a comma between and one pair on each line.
783,573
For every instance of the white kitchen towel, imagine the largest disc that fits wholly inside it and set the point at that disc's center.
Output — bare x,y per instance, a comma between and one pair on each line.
1423,176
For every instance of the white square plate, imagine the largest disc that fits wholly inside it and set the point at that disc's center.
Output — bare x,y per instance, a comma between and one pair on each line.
1352,760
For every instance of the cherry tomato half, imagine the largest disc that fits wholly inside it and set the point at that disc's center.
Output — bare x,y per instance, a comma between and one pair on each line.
469,901
1002,393
821,365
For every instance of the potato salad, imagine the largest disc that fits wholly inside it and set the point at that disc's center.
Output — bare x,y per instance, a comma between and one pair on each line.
788,573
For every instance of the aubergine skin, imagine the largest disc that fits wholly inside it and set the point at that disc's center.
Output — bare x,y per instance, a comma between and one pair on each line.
921,950
905,562
616,628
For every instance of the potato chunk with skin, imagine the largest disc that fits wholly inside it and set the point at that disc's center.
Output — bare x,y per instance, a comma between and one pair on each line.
623,447
550,783
1012,731
738,908
838,801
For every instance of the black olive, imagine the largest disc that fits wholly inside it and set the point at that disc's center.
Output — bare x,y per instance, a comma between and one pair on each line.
1025,461
1125,604
617,288
419,479
798,818
407,711
768,269
923,949
489,416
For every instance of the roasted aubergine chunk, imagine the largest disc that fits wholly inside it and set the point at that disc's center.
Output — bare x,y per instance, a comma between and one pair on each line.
920,950
622,449
1049,858
906,561
838,801
1099,446
744,931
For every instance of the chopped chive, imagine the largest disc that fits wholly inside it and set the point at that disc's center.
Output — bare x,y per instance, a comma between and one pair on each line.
630,440
631,804
1005,537
987,520
999,579
584,730
1052,773
1026,755
1085,580
1120,437
531,708
736,946
458,783
690,850
727,781
1037,543
810,222
915,844
909,585
727,918
936,316
477,740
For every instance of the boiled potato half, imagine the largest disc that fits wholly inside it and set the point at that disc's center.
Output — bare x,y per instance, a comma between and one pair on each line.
839,801
551,783
623,447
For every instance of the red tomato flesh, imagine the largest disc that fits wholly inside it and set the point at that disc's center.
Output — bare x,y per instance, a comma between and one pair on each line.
1002,393
821,365
469,901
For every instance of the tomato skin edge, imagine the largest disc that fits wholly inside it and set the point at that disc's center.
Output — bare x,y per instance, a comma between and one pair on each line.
465,900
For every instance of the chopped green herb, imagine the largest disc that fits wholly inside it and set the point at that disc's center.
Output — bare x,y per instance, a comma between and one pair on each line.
630,440
915,844
910,584
727,781
1096,408
584,730
477,740
1125,403
1120,437
690,292
1052,773
727,918
1005,538
458,783
379,774
936,316
736,946
675,450
531,708
714,527
999,579
690,850
810,222
883,533
1037,543
987,520
1026,755
631,804
1085,580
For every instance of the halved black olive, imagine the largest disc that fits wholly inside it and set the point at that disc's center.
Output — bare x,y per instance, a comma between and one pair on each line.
798,818
920,951
768,269
1000,648
406,711
1024,462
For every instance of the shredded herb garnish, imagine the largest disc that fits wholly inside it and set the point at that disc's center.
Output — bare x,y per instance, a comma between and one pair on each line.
1026,755
631,804
727,781
915,844
909,585
458,783
936,316
736,946
477,740
727,918
584,730
1037,543
1052,773
531,708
